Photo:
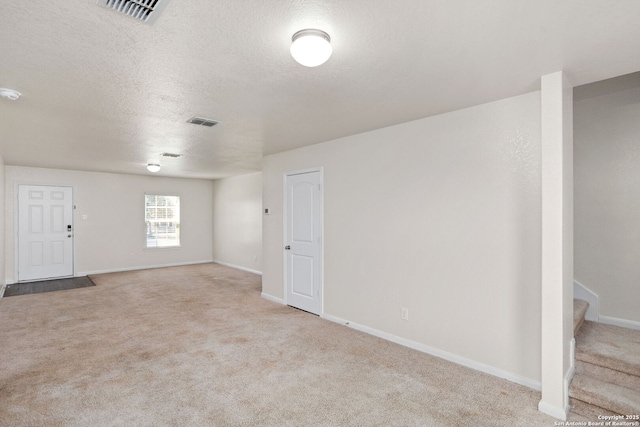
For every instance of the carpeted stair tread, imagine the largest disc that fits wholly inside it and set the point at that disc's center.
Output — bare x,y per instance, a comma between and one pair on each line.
612,397
587,410
580,308
609,346
609,375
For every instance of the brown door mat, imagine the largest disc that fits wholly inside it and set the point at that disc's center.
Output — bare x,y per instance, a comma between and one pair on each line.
47,286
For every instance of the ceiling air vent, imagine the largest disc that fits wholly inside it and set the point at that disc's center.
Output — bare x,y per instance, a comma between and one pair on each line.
202,121
142,10
174,155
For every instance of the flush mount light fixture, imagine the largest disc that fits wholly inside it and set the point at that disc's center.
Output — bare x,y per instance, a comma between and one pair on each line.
11,94
311,47
153,167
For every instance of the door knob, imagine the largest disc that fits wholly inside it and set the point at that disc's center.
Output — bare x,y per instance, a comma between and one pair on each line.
287,247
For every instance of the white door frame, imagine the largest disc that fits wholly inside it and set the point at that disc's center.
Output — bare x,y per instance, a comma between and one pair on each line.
16,218
320,170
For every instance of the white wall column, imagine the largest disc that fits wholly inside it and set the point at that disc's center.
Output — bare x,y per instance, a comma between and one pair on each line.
2,227
557,243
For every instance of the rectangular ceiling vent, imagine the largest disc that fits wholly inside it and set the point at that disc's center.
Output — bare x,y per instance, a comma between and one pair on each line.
174,155
142,10
202,121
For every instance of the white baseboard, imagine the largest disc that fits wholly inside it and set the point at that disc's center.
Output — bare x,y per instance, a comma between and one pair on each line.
145,267
553,411
580,291
491,370
272,298
629,324
238,267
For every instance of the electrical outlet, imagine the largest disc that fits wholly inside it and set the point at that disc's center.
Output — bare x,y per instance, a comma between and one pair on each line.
404,313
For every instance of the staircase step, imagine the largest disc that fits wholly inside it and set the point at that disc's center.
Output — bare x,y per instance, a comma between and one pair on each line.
590,412
612,397
609,375
609,346
580,308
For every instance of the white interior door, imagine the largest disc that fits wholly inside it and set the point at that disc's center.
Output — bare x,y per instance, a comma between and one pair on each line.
45,232
303,241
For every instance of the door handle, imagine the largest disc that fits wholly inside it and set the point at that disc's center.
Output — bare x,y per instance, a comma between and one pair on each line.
287,247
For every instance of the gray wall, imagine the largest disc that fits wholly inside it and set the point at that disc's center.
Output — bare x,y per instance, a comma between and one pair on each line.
440,215
607,193
237,221
113,235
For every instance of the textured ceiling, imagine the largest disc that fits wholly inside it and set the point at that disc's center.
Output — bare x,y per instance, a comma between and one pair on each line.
103,92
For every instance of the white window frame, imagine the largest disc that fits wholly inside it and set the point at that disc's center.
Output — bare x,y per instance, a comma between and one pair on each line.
166,225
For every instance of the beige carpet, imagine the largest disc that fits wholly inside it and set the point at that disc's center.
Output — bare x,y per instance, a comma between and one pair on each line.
612,346
197,346
607,370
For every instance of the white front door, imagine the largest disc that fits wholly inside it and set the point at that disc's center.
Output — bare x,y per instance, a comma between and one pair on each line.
45,232
303,241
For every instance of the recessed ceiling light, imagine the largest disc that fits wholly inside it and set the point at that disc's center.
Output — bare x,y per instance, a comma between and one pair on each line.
10,94
153,167
311,47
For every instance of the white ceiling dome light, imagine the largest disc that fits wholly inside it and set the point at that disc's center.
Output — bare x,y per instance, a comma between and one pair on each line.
153,167
11,94
311,47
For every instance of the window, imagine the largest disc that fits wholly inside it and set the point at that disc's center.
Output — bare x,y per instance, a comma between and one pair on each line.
162,214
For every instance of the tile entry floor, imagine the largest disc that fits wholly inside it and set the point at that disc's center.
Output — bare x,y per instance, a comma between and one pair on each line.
47,286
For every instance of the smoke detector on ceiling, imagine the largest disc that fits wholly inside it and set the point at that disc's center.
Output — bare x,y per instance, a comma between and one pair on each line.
143,10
